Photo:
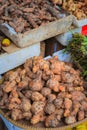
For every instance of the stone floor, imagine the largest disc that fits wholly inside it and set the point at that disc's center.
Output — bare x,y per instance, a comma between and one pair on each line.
2,125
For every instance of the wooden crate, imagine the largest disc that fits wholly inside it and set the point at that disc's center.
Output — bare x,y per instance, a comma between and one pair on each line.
39,34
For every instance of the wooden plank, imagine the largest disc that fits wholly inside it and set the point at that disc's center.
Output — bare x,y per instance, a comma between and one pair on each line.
10,49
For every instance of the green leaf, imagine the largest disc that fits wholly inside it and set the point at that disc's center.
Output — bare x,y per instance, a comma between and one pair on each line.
84,43
85,39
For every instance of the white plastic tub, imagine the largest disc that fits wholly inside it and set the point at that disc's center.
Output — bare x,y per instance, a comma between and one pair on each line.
12,60
65,37
66,57
79,23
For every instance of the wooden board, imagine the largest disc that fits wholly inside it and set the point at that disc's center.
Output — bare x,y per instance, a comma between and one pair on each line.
39,34
10,49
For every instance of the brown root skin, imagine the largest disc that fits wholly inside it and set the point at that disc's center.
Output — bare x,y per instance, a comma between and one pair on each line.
53,85
57,67
59,2
58,102
70,120
78,96
67,103
46,91
81,115
51,121
51,98
77,8
34,92
76,106
36,96
27,93
27,15
50,108
39,117
9,86
35,85
37,107
16,114
26,105
66,113
27,115
22,84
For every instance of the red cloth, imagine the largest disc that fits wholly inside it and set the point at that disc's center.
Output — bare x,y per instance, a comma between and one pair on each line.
84,30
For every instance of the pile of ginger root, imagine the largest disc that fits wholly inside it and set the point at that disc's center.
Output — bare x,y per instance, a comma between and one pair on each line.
75,7
44,91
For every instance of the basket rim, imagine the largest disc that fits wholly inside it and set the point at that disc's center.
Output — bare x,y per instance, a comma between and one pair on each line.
25,127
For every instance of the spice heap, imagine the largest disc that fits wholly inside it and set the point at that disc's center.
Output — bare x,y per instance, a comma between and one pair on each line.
48,91
75,7
25,15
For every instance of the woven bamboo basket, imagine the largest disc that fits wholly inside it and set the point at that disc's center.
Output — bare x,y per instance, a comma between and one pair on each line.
23,125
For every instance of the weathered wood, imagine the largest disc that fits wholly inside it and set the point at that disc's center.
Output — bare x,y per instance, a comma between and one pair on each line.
39,34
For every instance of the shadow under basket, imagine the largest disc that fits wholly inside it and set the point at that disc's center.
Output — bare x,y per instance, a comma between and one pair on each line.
24,125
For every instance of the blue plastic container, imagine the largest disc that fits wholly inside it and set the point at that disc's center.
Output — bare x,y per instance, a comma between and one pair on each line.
9,125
